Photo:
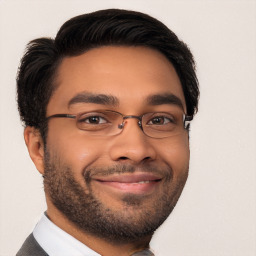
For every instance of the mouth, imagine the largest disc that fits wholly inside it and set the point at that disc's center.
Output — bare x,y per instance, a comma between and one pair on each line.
139,183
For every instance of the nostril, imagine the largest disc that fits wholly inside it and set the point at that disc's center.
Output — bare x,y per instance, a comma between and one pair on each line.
127,158
123,158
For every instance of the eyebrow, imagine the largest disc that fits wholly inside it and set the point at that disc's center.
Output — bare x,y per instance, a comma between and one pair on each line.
101,99
110,100
166,98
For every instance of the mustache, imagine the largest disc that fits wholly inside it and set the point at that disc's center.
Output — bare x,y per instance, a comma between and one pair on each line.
88,173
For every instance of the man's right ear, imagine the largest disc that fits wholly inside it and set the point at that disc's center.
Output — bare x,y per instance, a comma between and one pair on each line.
35,145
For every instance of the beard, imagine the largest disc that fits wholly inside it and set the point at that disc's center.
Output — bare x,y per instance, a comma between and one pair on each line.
140,215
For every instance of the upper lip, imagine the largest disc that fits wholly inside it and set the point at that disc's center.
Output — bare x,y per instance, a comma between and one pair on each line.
129,178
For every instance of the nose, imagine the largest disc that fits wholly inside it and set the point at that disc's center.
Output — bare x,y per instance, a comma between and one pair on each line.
132,145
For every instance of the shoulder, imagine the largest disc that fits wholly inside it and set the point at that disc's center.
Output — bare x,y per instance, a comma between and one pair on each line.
31,247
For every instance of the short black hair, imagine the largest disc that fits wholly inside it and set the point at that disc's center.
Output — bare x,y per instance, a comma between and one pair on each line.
111,27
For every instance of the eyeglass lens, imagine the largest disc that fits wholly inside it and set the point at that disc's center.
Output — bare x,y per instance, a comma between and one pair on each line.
107,123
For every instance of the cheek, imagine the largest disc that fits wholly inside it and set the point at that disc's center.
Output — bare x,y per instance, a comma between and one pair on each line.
73,148
175,153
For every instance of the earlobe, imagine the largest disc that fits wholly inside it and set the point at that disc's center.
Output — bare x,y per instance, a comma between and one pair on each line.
35,145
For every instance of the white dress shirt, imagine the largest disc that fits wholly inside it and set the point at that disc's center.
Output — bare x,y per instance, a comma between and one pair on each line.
57,242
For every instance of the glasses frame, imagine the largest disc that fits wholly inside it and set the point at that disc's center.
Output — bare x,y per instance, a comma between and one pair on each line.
186,119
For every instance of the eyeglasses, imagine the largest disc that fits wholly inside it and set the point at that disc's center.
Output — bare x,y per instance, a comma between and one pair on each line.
108,122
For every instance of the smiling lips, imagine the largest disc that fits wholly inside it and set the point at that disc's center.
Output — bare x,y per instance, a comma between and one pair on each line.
130,183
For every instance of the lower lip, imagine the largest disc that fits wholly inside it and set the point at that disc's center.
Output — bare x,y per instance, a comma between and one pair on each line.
134,188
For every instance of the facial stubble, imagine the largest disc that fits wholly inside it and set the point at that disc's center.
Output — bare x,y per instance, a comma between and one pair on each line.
79,204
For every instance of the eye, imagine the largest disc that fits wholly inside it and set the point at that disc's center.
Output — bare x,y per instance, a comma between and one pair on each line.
93,119
160,120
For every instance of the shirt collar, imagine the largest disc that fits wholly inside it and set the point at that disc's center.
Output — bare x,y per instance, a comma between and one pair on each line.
57,242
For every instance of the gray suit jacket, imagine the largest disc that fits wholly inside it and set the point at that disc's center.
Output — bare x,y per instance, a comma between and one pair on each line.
31,248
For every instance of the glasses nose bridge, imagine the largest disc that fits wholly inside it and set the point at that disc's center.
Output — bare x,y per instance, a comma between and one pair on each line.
139,118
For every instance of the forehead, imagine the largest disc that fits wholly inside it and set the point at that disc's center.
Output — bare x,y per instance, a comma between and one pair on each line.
130,74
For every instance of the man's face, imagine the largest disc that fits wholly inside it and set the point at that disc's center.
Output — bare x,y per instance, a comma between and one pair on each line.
119,187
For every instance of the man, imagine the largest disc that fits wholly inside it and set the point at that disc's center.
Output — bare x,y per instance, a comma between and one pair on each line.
106,107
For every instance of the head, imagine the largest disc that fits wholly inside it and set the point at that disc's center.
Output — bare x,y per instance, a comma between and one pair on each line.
122,61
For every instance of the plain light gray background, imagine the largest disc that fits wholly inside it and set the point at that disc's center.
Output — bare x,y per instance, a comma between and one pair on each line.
216,215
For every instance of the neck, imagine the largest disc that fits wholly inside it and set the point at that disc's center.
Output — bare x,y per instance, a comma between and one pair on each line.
99,245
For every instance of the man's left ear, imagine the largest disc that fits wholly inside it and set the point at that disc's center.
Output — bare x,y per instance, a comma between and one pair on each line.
35,145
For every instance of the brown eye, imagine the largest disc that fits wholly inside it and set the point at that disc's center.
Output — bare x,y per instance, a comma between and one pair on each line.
92,120
160,120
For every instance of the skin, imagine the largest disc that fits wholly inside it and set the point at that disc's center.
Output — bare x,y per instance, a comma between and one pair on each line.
131,74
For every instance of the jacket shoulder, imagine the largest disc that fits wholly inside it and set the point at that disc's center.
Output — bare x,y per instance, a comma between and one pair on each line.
31,248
